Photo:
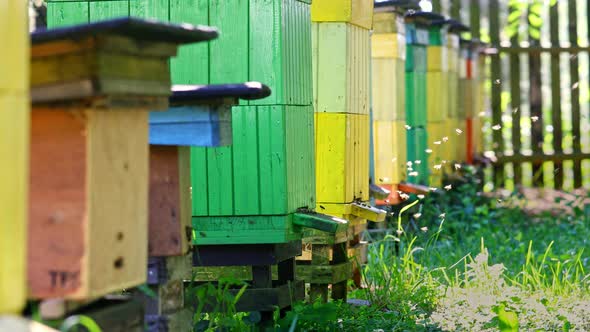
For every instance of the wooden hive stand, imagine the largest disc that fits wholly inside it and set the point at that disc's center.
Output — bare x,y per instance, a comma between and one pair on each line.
14,137
198,116
92,87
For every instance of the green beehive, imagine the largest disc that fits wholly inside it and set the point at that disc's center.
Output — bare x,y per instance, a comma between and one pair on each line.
416,99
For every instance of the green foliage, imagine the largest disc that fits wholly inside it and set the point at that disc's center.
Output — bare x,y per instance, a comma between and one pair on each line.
531,10
223,315
460,260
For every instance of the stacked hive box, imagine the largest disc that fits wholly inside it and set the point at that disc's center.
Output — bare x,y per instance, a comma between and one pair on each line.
14,137
454,124
199,116
437,101
388,44
341,73
416,98
246,197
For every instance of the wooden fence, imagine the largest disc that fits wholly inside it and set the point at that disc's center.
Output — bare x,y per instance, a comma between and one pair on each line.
537,123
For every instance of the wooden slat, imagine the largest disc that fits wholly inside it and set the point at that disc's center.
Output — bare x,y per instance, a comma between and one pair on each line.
474,18
556,95
575,92
456,9
536,110
496,77
540,158
537,49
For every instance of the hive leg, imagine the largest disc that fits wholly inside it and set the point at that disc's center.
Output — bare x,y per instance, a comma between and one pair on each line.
320,255
339,255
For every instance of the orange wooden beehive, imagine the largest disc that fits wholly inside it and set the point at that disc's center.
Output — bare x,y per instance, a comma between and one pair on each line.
92,87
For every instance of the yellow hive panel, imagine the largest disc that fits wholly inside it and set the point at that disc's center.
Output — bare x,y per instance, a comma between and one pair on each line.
14,124
14,138
340,210
453,95
388,22
341,62
15,44
440,141
388,89
388,45
342,157
460,145
389,140
437,91
357,12
437,58
452,60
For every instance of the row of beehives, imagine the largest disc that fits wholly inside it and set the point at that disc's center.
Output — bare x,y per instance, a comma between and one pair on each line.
88,161
427,99
262,189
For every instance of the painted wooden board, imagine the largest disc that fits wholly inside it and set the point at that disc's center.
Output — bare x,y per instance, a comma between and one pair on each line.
244,229
388,22
341,151
194,125
465,103
389,90
437,59
440,146
343,211
61,13
170,229
357,12
269,40
460,153
453,60
341,65
14,138
269,170
416,35
437,35
390,151
416,58
453,97
324,274
417,143
81,162
388,45
437,100
416,99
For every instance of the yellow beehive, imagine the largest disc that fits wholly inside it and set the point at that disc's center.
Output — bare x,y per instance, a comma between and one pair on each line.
388,45
357,12
388,22
388,76
390,151
342,157
460,145
14,138
437,91
437,58
341,62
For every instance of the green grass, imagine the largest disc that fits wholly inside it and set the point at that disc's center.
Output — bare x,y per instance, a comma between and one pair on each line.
459,261
467,262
